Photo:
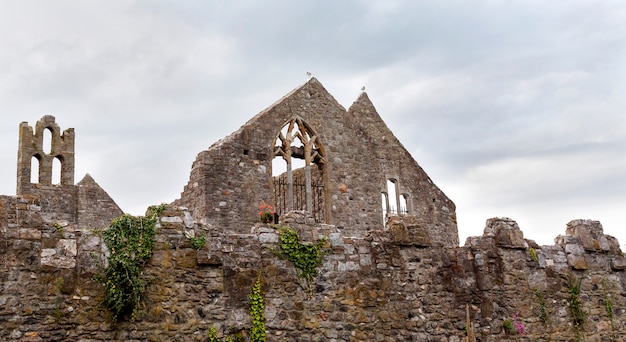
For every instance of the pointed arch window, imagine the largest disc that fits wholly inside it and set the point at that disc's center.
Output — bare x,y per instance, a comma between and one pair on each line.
298,184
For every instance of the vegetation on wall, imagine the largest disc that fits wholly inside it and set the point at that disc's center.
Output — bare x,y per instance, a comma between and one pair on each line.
576,307
198,242
130,243
543,315
305,257
608,307
257,316
257,312
533,254
212,337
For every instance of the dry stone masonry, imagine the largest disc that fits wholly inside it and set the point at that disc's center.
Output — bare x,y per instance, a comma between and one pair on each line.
393,268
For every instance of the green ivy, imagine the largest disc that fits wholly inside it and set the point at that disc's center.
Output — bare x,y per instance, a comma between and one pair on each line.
198,242
305,257
212,337
130,243
257,312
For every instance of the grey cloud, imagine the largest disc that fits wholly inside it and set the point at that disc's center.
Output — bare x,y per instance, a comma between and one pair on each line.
510,106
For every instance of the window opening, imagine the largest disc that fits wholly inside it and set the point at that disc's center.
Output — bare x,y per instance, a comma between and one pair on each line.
34,170
56,170
393,200
404,209
385,206
46,144
297,170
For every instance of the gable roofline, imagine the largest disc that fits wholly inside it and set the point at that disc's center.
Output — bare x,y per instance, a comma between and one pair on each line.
310,83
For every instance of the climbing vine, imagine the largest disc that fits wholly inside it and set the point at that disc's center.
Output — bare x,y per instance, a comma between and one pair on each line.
608,307
543,315
576,308
257,312
212,336
305,257
130,243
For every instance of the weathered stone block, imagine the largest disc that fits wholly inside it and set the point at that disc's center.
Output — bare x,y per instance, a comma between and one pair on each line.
30,234
209,258
174,219
90,243
506,233
406,230
268,238
67,247
574,249
58,260
161,258
577,262
347,266
618,263
185,257
590,235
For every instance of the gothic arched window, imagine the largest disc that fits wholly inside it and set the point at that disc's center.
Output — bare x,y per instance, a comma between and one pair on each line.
297,185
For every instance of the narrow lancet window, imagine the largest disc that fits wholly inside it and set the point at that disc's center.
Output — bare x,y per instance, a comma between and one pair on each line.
34,170
46,144
393,199
385,206
404,209
56,170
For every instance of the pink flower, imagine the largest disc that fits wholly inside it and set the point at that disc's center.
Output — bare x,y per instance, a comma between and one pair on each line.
519,327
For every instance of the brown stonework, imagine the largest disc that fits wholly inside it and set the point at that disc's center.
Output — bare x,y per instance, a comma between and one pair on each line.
354,155
406,280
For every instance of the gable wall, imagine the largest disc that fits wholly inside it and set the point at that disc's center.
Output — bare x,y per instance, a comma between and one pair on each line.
229,180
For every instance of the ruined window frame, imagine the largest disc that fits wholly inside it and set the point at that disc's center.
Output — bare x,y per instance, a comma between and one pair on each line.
312,151
400,197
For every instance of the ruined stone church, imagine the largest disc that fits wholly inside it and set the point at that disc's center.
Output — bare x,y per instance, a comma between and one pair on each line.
393,268
350,165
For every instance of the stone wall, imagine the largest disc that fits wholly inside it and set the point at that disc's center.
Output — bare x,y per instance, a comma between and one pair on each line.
404,279
231,178
390,285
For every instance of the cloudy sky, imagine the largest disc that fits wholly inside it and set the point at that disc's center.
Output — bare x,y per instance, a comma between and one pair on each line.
514,108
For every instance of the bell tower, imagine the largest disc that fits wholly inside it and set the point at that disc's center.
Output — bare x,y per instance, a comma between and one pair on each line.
33,156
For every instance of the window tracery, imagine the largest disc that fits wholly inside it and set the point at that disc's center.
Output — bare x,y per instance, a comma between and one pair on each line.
299,187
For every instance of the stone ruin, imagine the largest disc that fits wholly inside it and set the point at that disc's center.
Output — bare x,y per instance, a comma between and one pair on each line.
394,270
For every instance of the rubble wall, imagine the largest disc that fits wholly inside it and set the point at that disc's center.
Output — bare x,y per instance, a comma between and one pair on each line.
393,284
230,179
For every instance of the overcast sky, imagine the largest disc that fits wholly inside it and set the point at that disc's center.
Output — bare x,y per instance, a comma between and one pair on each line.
514,108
